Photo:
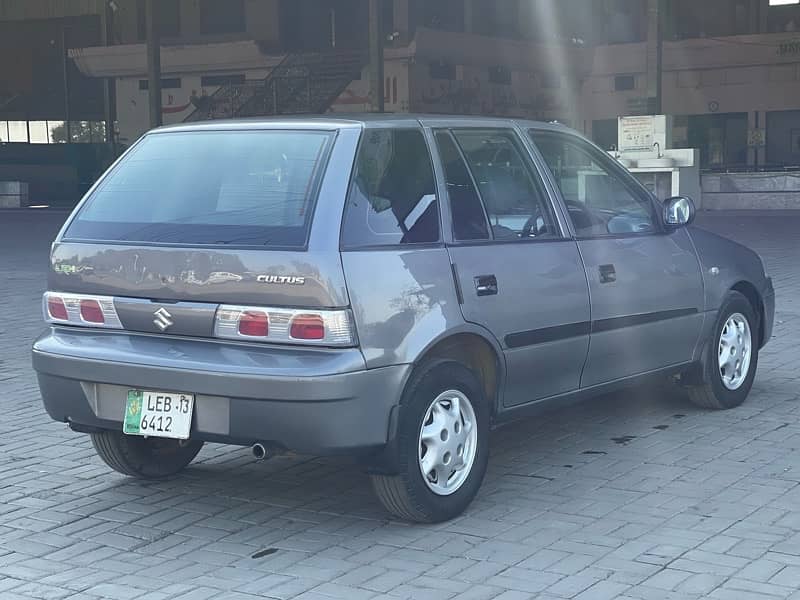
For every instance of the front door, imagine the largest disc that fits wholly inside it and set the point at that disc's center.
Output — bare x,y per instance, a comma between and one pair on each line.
519,276
645,282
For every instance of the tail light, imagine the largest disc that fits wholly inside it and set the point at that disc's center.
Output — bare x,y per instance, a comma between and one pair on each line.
285,326
92,312
56,309
307,327
81,310
254,323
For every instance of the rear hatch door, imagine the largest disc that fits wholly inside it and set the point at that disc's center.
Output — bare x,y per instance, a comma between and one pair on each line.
189,220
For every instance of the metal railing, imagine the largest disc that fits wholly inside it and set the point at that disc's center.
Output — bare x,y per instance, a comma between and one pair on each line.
301,83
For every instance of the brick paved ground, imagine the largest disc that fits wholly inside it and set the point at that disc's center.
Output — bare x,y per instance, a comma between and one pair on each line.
637,495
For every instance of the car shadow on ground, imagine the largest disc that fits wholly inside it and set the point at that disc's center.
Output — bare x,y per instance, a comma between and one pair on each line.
553,450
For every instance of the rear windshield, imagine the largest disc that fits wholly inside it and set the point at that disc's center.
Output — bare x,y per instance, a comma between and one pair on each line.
250,188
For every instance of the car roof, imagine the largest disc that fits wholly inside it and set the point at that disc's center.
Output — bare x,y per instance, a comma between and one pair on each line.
361,120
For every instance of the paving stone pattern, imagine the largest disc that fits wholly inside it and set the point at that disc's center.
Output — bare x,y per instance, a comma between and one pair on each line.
634,495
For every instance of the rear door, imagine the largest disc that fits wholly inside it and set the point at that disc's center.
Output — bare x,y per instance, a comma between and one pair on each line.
645,282
189,220
519,276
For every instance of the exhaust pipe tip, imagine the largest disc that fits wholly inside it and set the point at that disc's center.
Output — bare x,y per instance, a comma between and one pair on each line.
259,451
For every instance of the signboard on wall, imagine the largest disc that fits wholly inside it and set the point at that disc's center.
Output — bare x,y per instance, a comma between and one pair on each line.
636,133
756,138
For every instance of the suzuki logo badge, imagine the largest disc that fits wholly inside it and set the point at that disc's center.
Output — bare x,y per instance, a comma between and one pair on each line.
163,320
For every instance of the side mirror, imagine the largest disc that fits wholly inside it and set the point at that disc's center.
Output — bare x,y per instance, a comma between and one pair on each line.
679,211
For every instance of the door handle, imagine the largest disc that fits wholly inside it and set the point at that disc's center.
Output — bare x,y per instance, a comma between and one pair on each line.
486,285
608,274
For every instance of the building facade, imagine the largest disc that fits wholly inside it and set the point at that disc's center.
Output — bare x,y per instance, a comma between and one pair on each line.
727,70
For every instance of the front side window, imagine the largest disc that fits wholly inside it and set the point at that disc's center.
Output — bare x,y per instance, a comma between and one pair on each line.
516,205
392,198
599,201
250,188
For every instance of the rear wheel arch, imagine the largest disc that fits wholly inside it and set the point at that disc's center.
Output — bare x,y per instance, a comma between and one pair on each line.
477,354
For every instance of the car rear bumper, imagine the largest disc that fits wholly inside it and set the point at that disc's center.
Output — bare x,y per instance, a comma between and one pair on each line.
311,401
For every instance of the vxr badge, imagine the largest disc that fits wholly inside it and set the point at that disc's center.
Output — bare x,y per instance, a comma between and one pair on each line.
163,320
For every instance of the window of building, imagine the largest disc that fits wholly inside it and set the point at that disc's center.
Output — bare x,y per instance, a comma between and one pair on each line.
623,83
783,19
170,83
442,70
783,138
392,199
18,131
39,133
387,18
220,80
516,205
550,80
605,133
623,21
168,18
721,138
469,220
501,19
222,16
52,132
690,19
500,75
447,15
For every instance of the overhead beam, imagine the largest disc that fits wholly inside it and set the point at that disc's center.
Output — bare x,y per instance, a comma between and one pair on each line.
153,63
376,38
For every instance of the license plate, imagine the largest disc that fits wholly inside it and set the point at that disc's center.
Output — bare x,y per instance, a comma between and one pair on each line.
159,414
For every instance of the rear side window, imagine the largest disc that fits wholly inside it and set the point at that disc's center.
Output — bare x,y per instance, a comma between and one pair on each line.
516,204
392,199
249,188
469,220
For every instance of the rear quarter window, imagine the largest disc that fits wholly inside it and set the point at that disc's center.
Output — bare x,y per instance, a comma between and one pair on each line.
392,199
249,188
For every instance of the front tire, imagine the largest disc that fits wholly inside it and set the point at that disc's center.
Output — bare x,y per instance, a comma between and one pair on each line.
732,356
144,458
442,445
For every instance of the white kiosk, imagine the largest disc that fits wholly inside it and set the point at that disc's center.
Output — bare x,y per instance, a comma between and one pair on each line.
645,149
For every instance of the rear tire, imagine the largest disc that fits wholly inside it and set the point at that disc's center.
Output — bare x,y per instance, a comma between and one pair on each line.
725,387
447,397
144,458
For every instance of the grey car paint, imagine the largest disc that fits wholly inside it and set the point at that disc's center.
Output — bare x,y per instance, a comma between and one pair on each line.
405,302
650,315
541,286
213,275
726,263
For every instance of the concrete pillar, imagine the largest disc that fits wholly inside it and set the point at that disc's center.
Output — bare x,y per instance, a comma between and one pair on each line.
756,156
754,11
655,15
762,8
109,87
376,40
153,64
469,16
402,21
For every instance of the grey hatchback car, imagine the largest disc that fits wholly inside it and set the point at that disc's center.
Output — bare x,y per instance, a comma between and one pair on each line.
384,287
